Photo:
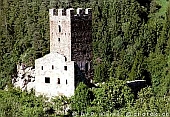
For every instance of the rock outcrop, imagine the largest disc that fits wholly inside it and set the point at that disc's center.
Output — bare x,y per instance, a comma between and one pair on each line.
25,77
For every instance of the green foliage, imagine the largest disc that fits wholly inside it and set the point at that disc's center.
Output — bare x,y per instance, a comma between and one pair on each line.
111,96
148,102
130,41
15,103
60,103
101,72
81,99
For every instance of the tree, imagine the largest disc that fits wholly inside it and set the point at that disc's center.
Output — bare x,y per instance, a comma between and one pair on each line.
111,96
61,104
81,99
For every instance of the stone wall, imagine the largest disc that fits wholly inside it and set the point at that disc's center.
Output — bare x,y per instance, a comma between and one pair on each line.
81,41
71,36
60,32
54,76
70,57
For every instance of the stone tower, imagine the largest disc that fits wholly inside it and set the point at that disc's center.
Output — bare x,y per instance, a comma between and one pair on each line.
71,36
70,58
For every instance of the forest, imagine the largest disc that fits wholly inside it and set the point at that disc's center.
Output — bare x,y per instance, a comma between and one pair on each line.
131,41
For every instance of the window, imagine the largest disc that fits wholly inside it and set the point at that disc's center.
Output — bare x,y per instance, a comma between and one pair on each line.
52,66
41,67
65,68
84,51
66,81
47,79
65,58
86,67
59,28
58,39
58,82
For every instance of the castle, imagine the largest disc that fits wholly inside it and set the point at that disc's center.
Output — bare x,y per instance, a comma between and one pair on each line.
70,57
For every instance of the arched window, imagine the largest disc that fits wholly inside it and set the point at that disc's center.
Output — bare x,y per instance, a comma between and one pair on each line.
58,82
52,66
59,28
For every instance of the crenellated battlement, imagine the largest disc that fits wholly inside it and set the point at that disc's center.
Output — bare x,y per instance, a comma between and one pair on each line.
71,12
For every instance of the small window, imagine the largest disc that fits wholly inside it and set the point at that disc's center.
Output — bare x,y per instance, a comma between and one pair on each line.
58,39
84,51
58,82
52,66
59,28
86,67
65,68
41,67
66,81
65,58
47,79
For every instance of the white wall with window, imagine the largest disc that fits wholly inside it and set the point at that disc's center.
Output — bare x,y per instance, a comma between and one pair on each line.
54,76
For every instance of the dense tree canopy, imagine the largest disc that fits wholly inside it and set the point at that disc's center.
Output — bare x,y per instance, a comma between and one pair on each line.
130,41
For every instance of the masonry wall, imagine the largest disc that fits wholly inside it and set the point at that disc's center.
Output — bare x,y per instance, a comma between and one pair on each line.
60,32
81,41
71,36
52,66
